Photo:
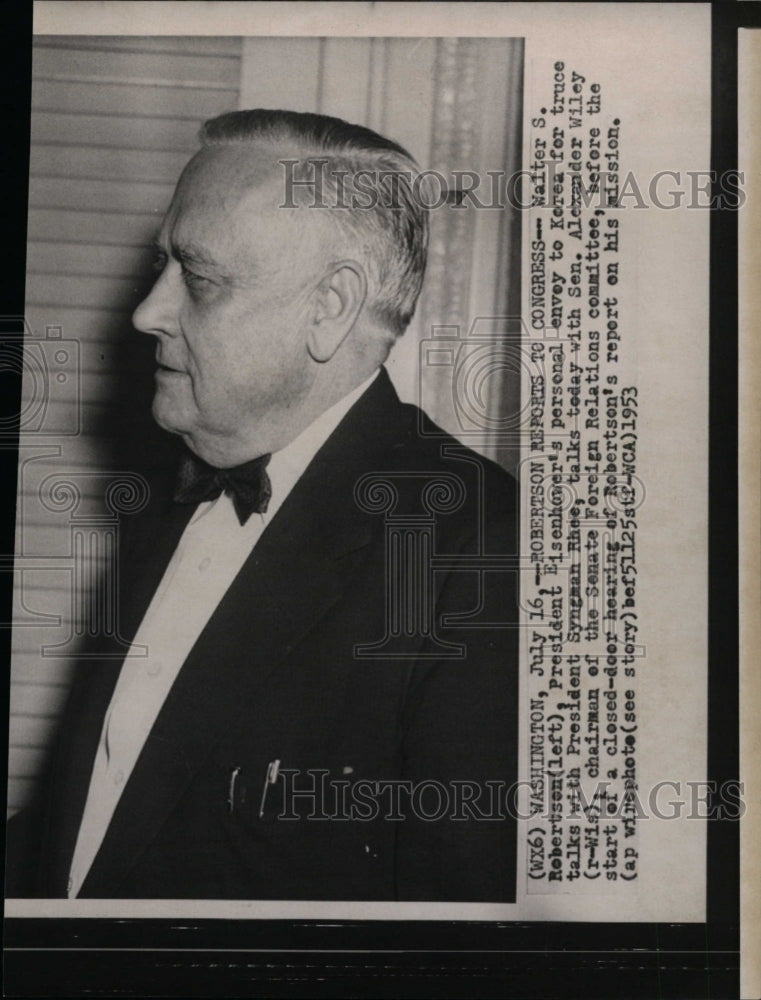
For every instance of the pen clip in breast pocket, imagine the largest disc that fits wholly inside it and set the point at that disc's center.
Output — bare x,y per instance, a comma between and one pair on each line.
242,789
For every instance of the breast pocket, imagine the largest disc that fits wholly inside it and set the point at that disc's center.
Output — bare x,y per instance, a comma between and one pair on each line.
285,790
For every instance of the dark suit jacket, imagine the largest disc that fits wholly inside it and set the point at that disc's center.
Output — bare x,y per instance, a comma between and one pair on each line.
275,675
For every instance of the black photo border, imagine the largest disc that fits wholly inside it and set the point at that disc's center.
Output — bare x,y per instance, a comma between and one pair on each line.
330,958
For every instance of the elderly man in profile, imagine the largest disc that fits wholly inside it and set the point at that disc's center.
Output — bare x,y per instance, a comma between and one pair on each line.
277,731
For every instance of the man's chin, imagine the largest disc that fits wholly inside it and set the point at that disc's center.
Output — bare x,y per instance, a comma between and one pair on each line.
171,421
168,418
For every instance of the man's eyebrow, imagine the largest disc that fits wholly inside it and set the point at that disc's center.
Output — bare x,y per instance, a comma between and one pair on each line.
194,253
187,253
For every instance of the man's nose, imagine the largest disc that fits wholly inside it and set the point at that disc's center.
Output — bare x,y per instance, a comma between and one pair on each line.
157,313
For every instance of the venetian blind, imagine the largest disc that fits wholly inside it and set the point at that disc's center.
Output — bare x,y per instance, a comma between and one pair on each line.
113,122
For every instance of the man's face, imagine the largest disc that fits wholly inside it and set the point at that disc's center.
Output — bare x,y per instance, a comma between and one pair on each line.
230,307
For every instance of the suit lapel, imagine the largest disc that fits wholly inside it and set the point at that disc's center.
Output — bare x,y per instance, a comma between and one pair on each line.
142,563
146,558
302,564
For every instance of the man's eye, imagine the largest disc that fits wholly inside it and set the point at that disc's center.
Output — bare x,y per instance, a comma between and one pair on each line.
193,280
159,262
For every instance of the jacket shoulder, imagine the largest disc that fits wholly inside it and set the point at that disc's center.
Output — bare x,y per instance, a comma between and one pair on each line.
439,450
487,493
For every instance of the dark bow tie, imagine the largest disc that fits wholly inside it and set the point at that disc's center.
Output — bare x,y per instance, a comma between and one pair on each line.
247,485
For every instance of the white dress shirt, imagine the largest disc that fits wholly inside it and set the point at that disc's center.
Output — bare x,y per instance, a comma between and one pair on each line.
208,557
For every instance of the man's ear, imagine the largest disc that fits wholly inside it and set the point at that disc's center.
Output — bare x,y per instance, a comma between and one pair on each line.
338,301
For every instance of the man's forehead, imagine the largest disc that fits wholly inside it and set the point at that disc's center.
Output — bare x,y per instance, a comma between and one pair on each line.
228,215
232,168
222,190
